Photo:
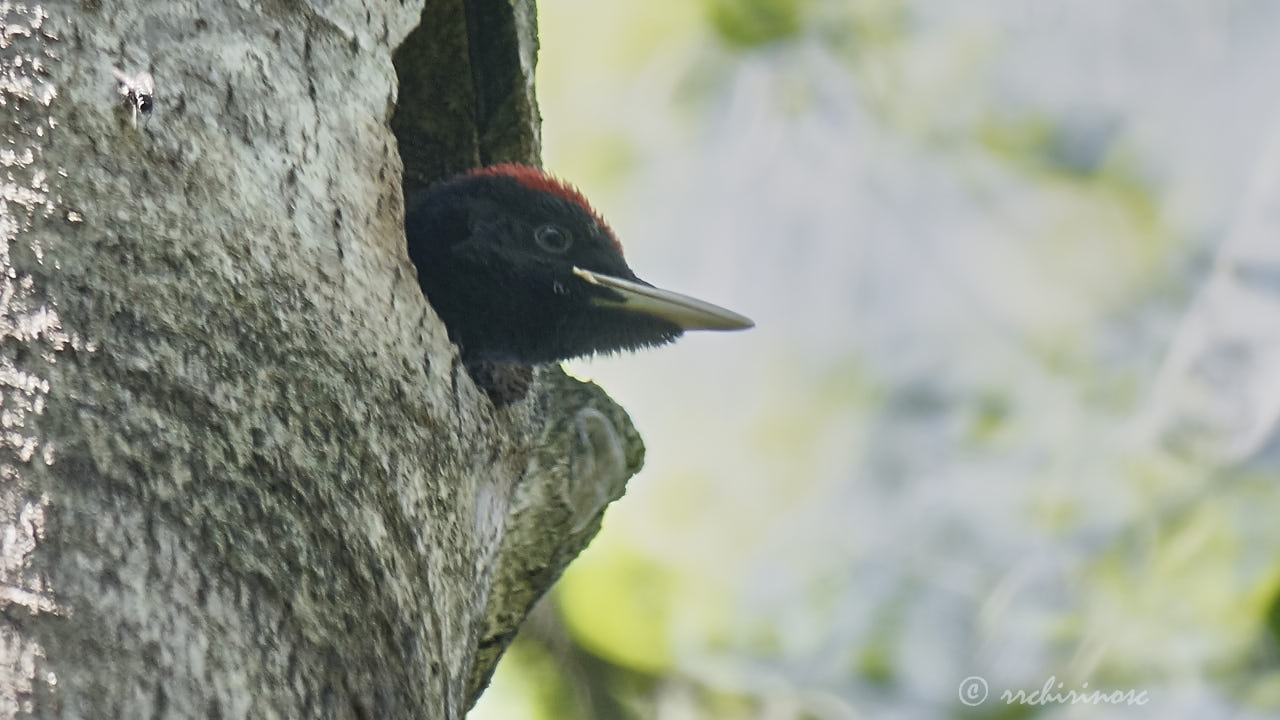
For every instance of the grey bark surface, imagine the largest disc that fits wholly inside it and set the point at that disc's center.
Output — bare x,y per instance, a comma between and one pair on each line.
243,472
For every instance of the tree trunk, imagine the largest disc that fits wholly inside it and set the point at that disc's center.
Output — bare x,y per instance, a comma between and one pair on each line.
244,473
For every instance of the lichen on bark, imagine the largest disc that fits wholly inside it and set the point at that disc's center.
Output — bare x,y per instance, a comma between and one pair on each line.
244,473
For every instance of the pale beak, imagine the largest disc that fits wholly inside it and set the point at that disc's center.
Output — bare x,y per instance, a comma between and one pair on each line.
682,310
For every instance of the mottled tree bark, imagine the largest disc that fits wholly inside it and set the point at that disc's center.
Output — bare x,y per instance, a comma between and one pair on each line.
244,473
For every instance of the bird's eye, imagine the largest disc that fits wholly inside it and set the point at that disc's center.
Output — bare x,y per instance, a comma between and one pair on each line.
552,238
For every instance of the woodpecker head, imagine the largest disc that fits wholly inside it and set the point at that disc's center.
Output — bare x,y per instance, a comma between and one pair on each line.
522,270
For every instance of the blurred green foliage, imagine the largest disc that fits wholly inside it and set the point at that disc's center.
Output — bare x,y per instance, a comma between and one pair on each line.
616,605
747,24
971,230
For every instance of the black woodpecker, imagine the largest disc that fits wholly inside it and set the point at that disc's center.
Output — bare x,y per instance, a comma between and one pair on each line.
523,271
